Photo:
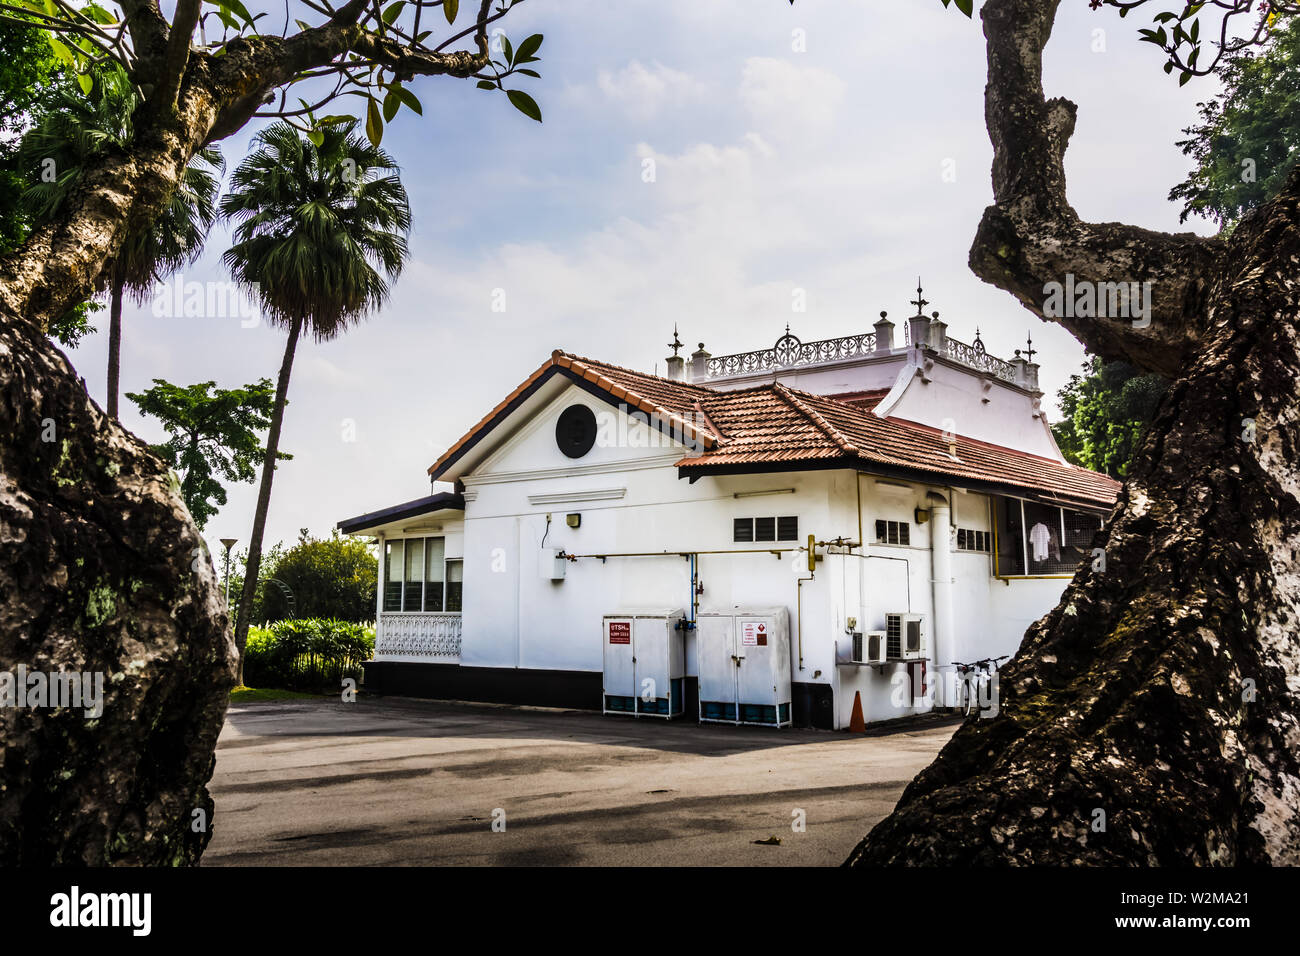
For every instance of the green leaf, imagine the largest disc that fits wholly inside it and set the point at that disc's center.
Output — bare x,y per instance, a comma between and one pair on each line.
374,122
316,137
236,7
83,81
411,100
62,52
509,50
526,49
392,103
525,104
394,11
486,85
451,8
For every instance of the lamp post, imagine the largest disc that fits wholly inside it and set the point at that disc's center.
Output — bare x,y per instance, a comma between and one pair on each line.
229,543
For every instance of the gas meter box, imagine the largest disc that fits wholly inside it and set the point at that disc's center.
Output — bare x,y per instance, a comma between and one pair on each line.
744,661
645,663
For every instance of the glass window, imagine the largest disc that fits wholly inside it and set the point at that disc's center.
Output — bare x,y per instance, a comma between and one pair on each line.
744,530
433,573
392,575
787,528
414,574
764,529
455,576
1039,539
893,532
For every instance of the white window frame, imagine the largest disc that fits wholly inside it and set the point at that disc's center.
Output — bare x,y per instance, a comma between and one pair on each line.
424,574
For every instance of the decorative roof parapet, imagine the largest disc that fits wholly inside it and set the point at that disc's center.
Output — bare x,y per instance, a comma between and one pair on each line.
789,352
974,356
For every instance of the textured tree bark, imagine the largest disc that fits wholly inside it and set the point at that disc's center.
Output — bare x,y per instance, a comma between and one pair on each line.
1164,689
101,570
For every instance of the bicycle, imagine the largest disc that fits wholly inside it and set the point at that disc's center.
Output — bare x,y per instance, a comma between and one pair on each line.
975,678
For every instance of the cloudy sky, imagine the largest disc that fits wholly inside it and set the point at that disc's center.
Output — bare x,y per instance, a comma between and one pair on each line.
793,148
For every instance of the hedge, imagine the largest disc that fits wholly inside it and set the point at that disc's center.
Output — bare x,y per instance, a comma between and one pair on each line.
307,653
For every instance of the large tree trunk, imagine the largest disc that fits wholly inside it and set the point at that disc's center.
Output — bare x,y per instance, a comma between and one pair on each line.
254,563
115,340
101,571
101,568
1151,718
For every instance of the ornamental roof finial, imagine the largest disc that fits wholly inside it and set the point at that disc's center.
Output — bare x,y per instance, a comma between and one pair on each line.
676,344
920,301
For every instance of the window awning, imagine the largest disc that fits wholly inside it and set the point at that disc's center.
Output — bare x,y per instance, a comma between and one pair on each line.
420,507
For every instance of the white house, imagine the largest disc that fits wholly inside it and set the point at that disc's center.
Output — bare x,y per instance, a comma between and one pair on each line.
924,474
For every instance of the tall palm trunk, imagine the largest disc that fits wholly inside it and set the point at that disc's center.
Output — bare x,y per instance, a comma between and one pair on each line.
115,338
254,564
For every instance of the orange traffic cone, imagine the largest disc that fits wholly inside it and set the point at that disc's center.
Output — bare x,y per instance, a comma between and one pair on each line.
857,723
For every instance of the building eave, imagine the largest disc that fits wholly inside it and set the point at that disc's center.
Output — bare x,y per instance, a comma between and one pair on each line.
916,475
419,508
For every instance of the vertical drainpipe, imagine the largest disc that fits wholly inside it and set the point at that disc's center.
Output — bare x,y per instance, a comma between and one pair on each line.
941,582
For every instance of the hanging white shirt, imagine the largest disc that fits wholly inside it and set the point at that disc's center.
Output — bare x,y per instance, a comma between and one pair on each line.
1040,537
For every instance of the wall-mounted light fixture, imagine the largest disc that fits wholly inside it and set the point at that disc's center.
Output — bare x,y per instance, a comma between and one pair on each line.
573,521
922,515
758,494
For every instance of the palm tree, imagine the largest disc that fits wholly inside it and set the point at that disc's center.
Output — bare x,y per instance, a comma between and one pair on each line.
317,221
73,135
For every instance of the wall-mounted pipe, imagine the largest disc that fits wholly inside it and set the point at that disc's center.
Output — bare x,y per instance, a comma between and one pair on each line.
685,553
941,573
798,599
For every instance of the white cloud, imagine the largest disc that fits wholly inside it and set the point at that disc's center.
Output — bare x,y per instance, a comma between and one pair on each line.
641,91
787,101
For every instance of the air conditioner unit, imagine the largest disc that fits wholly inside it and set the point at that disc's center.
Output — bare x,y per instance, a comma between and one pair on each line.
869,648
905,637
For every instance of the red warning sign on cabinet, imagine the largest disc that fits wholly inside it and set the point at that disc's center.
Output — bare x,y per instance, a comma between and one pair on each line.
753,633
620,632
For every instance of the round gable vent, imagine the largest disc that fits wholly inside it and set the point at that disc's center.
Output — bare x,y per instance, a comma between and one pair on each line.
575,431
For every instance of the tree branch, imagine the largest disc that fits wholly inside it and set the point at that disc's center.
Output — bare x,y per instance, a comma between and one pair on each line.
1032,237
177,54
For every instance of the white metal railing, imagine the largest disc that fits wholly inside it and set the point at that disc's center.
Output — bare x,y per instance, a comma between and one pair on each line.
416,636
789,352
974,356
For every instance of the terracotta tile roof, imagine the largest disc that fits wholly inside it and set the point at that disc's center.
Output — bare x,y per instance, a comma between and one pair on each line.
673,402
772,424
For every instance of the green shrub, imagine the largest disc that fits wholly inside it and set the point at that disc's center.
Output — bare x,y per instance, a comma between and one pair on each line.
306,653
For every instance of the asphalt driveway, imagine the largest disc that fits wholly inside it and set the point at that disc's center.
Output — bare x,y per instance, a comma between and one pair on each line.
398,781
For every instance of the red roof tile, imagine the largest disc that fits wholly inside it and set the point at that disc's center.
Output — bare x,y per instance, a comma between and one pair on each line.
773,424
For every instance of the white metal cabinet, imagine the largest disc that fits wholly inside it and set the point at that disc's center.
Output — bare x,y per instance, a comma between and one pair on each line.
644,663
744,658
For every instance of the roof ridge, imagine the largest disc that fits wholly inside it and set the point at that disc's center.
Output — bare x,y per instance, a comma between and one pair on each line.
722,436
826,427
564,360
631,371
